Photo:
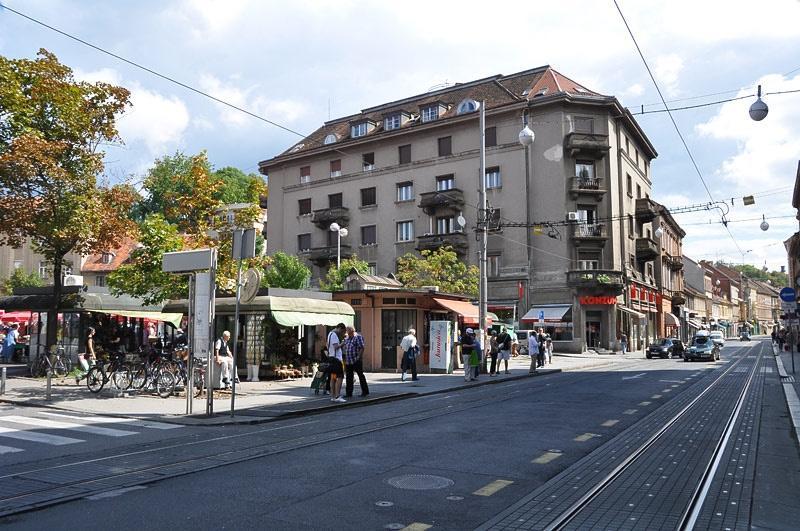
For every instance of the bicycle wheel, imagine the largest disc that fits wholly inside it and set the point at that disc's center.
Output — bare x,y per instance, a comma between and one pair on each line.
121,378
165,383
35,367
138,377
95,379
60,367
199,376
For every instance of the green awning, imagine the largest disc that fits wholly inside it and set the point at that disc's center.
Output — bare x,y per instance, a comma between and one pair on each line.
311,319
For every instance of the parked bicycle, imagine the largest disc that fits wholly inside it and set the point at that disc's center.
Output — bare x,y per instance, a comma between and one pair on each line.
59,363
153,373
117,371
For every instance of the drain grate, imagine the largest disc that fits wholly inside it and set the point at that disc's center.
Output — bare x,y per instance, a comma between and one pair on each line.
419,482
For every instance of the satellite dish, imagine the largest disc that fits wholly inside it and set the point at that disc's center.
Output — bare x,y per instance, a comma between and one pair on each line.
461,221
250,284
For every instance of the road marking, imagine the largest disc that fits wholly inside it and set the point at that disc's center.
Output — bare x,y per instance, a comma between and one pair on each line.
35,436
492,487
585,437
546,458
655,397
633,377
114,493
118,420
52,424
645,403
416,526
9,450
672,381
629,411
609,423
666,390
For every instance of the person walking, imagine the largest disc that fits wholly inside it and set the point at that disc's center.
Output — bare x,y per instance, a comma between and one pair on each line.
353,362
336,360
222,357
494,350
540,338
10,343
533,349
548,348
504,343
467,349
410,351
88,358
623,342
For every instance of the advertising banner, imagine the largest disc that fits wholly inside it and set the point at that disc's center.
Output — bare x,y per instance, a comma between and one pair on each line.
440,345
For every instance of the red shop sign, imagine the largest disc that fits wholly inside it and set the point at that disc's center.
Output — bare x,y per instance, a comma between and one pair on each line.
597,300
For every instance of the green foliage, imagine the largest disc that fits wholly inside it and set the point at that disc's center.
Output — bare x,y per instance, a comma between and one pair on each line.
442,268
239,187
777,278
163,187
20,279
334,280
286,271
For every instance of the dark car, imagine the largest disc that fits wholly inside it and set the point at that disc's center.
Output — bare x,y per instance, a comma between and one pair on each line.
703,347
665,348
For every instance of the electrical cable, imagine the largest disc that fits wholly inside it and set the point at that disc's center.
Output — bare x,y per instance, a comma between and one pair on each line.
708,104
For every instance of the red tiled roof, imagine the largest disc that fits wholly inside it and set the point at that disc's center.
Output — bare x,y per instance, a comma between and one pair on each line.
94,263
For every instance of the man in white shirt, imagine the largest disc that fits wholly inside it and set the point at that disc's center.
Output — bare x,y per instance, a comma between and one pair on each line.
533,350
335,358
409,347
222,356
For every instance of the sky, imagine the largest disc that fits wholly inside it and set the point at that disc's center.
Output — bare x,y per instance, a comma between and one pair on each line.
302,62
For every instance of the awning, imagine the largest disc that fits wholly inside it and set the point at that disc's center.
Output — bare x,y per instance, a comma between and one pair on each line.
553,313
15,317
169,317
695,324
492,316
632,312
671,320
465,309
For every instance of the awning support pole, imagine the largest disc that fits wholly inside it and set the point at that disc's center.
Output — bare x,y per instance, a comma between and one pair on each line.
236,333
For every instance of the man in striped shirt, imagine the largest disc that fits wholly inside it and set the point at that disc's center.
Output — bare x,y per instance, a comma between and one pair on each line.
353,362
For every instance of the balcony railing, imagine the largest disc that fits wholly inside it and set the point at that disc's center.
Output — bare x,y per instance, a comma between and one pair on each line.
677,297
432,202
587,186
606,280
645,210
646,249
323,255
673,262
323,218
457,240
589,231
586,144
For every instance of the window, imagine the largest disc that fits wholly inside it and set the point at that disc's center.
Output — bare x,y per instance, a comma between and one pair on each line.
369,235
335,200
368,197
627,146
631,227
404,154
304,207
650,269
336,168
587,214
646,168
372,269
467,106
430,113
17,264
405,191
358,130
303,242
329,139
638,192
493,265
493,178
584,125
636,151
632,260
305,174
44,267
405,231
106,258
445,146
584,170
368,161
445,225
491,136
629,184
392,122
100,281
445,182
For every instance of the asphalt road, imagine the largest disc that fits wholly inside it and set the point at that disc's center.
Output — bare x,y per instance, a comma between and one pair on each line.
491,456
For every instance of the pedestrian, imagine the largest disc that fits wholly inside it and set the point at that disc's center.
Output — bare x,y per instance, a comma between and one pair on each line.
475,358
467,349
504,342
10,343
494,350
533,349
336,358
540,338
354,362
623,341
88,358
548,348
223,358
410,352
775,336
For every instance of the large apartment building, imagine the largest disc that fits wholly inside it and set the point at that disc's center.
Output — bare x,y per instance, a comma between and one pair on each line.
401,174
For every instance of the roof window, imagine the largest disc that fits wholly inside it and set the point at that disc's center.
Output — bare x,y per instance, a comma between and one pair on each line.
330,139
467,106
297,148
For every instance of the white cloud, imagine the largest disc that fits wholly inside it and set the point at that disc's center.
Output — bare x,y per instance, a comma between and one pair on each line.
105,75
284,111
634,90
667,69
156,120
209,16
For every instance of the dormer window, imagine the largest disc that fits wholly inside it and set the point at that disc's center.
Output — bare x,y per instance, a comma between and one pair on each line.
358,130
330,139
297,148
430,113
106,258
395,120
467,106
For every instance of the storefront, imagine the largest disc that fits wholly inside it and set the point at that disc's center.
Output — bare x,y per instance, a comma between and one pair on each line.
556,320
647,301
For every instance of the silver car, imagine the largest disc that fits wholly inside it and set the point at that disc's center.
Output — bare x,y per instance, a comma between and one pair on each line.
717,337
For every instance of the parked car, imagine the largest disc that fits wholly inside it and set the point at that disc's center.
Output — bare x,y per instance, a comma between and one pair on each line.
744,336
665,348
717,337
702,348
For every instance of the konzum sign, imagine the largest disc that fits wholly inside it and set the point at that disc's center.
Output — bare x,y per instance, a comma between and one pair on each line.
598,300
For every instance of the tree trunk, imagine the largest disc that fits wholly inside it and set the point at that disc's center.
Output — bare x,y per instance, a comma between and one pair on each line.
52,314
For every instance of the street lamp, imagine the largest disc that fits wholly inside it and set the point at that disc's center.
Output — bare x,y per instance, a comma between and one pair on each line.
764,225
759,109
341,232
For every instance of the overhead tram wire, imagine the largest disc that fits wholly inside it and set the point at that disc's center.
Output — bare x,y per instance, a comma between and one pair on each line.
710,103
672,119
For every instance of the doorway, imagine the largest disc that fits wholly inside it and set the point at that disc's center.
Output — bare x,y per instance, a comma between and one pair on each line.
593,327
394,325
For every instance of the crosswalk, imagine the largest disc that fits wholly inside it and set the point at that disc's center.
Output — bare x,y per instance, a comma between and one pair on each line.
62,429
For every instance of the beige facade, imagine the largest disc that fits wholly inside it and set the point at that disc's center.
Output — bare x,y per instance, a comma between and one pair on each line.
32,262
399,175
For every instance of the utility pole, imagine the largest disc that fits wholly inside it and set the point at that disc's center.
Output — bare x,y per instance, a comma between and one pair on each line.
484,215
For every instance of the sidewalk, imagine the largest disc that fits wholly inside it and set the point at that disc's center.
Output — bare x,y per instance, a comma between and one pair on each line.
263,401
791,384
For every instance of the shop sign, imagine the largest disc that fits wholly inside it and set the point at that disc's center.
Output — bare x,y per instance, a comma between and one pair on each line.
597,300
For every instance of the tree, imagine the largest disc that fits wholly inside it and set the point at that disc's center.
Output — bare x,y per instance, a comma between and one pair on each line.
442,268
777,278
51,129
286,271
239,187
334,280
20,279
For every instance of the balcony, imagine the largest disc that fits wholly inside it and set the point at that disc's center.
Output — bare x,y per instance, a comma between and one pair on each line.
645,210
435,202
596,280
324,255
587,186
457,240
324,217
590,232
587,145
646,249
673,262
677,297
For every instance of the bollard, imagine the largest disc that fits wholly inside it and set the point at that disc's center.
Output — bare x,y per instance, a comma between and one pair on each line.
3,382
49,377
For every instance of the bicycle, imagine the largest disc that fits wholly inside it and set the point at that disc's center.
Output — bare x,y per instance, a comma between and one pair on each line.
60,365
118,373
153,373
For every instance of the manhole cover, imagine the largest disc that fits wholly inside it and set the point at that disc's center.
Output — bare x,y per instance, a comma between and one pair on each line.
384,503
419,482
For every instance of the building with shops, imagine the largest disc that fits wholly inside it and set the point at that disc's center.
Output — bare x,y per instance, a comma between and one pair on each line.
697,309
400,175
792,244
669,276
725,314
767,306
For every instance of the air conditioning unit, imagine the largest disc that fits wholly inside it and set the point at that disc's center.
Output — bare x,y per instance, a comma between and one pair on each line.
572,216
431,288
73,280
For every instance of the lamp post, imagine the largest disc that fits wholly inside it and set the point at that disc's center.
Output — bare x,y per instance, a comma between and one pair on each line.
526,138
341,232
